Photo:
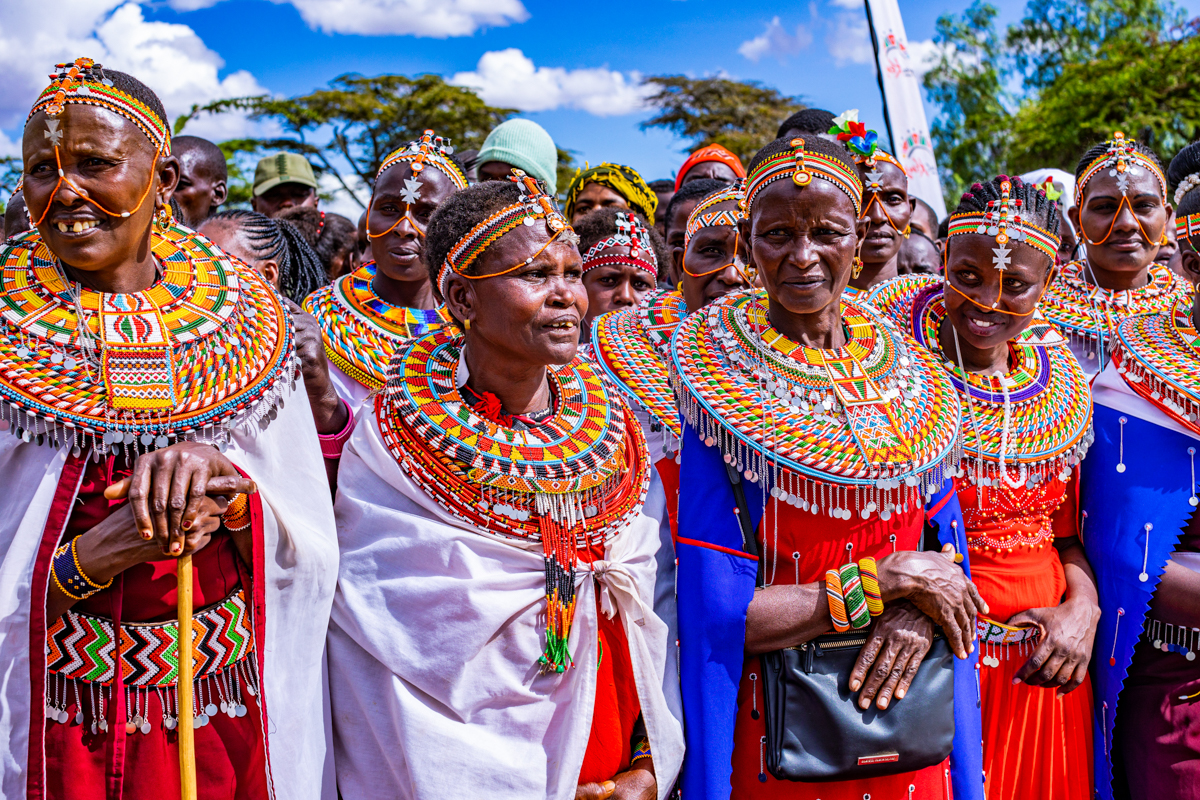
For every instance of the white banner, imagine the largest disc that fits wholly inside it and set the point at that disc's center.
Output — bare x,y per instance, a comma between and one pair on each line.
906,112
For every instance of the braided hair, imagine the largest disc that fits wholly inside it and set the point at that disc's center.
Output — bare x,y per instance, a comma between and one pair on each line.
329,234
1099,149
1036,207
300,270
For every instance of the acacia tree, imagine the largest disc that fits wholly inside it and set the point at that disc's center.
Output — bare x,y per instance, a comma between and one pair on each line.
740,115
360,120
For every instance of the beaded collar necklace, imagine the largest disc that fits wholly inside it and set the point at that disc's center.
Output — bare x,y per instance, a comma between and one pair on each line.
868,426
574,479
1158,357
1089,314
146,369
1028,426
361,329
632,346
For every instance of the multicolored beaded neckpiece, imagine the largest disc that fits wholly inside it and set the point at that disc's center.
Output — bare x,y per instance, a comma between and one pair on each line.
1089,315
630,245
140,371
572,479
1158,356
632,346
362,330
1023,428
868,427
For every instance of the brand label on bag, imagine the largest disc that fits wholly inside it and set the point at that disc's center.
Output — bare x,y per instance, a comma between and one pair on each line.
878,758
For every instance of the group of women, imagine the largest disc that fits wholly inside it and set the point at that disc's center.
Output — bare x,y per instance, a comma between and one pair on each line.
790,525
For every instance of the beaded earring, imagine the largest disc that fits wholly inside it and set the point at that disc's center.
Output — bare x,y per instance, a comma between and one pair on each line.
857,269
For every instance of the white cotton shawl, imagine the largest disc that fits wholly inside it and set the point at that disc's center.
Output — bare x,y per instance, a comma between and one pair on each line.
300,547
350,390
433,647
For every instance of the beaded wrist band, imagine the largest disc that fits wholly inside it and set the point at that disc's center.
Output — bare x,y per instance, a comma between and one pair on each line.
801,166
868,571
69,576
332,444
837,605
641,750
237,516
852,593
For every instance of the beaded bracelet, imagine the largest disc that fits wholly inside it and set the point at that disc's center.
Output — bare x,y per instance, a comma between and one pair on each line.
237,515
852,591
837,605
641,750
69,576
868,570
333,443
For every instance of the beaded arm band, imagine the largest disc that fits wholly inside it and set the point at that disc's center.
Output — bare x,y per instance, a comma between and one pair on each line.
801,166
853,594
69,576
332,444
837,605
641,750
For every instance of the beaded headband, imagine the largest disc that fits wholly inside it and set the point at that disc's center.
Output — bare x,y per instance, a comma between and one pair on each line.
533,205
1121,160
429,149
1187,227
801,166
630,234
84,81
701,217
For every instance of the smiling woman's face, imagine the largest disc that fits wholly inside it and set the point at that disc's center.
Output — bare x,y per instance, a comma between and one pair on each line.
532,315
802,240
112,167
399,253
971,273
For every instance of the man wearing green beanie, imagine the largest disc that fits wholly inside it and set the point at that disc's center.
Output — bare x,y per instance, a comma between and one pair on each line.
520,143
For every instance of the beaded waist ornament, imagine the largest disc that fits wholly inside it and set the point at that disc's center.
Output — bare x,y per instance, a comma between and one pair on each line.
632,237
81,663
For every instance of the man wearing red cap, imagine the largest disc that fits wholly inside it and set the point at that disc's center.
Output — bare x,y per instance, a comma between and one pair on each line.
710,161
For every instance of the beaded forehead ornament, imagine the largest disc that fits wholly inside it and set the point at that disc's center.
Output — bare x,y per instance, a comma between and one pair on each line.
630,234
431,150
84,82
1003,220
801,166
534,204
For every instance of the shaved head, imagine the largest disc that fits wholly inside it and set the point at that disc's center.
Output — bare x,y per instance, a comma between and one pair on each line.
202,180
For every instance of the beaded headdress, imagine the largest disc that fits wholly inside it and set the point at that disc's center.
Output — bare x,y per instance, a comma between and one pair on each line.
1121,159
1186,227
1003,220
534,204
428,150
84,81
801,165
630,234
703,217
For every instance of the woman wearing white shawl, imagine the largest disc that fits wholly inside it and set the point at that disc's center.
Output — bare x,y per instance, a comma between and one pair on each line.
138,359
493,633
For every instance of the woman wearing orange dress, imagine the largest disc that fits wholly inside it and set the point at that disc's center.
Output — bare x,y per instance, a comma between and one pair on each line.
1026,424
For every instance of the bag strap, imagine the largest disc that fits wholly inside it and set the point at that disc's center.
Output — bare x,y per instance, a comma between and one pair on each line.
749,542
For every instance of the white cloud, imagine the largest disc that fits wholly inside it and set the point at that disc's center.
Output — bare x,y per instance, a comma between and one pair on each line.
434,18
776,41
924,55
509,78
849,40
170,58
850,5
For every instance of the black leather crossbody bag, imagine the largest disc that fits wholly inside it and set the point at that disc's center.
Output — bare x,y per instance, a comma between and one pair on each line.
815,729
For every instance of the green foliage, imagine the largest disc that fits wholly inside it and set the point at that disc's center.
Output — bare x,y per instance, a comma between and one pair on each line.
1065,76
740,115
361,120
566,170
11,168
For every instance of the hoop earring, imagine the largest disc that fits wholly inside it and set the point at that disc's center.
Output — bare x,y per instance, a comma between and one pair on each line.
857,269
467,324
163,217
907,231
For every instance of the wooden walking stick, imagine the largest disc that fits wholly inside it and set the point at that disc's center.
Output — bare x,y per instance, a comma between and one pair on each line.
184,727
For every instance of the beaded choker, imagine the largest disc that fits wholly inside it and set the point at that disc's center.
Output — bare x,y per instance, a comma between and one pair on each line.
361,329
1159,358
204,350
534,204
574,479
868,426
1088,314
801,166
1121,160
1026,427
632,346
630,235
702,217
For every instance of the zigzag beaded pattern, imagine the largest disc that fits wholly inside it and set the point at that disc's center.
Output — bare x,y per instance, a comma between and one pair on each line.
1159,357
1077,306
579,447
630,345
724,372
82,647
1051,402
231,339
362,330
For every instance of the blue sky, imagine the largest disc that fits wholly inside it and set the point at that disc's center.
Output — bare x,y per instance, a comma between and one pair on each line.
575,66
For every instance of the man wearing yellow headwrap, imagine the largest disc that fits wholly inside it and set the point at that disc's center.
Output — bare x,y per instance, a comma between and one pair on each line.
610,185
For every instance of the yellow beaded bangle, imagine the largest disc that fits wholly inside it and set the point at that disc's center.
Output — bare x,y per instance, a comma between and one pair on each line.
868,572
